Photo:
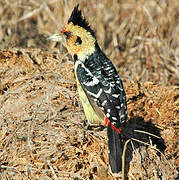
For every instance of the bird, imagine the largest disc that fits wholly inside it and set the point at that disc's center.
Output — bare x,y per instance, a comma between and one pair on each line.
99,85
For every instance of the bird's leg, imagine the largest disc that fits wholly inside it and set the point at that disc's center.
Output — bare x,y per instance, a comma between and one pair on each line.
95,127
85,124
92,127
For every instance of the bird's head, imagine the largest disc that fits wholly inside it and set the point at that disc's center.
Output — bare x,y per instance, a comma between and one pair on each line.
77,36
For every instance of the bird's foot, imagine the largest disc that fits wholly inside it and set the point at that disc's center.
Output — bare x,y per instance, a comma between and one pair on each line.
90,127
95,127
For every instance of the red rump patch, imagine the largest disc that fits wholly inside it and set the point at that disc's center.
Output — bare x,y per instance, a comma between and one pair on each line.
107,122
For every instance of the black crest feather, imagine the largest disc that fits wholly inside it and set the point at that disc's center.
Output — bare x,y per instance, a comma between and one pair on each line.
77,19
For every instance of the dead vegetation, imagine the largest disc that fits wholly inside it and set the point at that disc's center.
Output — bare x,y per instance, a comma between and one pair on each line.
41,118
141,37
42,134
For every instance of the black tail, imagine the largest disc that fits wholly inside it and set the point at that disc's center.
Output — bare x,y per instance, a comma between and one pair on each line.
115,147
117,140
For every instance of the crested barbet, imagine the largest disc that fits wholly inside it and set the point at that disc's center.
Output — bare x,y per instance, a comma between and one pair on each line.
99,85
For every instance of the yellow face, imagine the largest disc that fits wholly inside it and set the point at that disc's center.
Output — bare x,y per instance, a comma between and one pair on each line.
78,41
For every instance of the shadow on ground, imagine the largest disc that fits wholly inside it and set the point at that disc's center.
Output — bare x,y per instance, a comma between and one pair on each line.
141,135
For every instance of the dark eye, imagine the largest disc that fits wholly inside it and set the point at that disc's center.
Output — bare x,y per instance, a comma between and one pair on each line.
78,40
67,34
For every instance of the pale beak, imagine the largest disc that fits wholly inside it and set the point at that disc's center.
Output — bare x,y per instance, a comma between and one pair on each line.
56,37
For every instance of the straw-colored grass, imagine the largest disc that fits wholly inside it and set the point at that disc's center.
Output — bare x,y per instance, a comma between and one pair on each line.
41,118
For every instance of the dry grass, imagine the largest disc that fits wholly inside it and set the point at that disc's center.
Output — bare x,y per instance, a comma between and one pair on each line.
141,37
41,129
42,134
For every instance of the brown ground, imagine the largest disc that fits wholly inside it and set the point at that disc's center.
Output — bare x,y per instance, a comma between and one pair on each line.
41,118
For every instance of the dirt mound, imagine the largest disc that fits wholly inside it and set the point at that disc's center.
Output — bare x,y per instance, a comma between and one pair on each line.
41,127
41,118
